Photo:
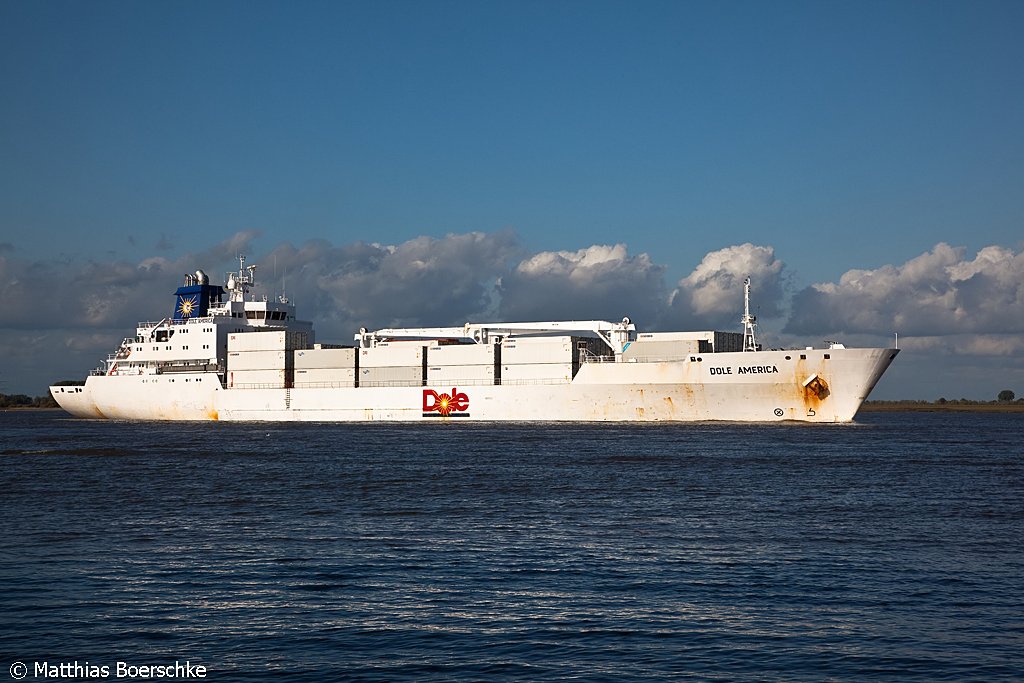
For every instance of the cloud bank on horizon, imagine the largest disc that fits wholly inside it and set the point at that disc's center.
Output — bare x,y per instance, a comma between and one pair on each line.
60,318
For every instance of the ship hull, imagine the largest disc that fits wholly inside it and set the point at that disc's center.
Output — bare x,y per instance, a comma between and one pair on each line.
765,386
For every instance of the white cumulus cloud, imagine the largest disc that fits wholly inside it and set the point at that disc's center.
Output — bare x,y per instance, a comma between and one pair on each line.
937,294
600,282
424,281
712,295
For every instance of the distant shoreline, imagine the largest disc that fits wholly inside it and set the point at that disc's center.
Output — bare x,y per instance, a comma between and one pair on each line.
948,407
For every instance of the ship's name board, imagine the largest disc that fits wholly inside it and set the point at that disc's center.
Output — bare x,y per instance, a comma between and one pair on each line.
746,370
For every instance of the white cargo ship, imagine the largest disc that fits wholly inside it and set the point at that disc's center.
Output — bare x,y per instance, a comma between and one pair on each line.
225,354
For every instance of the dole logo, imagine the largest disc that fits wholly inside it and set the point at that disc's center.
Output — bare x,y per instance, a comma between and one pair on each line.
454,404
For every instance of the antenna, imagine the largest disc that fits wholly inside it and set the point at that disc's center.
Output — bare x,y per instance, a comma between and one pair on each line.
749,321
239,284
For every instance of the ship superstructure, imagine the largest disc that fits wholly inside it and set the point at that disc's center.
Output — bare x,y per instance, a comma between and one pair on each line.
182,357
225,354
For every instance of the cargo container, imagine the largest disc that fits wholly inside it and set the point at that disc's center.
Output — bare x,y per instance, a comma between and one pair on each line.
727,342
462,354
675,336
258,360
325,358
524,350
392,354
277,340
259,379
476,374
660,350
325,377
410,375
562,349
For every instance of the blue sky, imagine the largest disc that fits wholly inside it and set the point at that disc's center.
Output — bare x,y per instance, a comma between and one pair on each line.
843,136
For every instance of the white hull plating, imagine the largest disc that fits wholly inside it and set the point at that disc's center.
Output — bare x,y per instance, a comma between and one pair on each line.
805,385
190,396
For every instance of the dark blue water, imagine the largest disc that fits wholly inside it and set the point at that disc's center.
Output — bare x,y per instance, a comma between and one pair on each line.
892,549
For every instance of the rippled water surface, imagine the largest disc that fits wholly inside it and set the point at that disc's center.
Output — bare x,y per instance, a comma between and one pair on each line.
888,549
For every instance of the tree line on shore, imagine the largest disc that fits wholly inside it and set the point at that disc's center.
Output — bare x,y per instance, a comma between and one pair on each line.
943,402
25,401
1005,397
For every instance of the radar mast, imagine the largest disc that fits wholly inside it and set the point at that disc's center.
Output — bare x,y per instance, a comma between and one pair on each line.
238,284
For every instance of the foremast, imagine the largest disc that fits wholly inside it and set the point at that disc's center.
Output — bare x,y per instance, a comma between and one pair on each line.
749,321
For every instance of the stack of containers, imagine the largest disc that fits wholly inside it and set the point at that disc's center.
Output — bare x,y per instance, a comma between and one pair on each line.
325,367
538,360
262,360
393,364
462,364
